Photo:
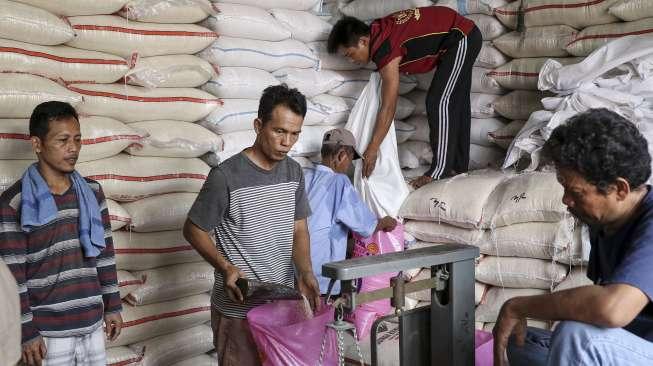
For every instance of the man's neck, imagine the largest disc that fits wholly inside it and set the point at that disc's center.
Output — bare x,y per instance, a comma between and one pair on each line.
57,181
258,157
630,210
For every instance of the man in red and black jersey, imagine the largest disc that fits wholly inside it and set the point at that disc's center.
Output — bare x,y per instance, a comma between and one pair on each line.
417,41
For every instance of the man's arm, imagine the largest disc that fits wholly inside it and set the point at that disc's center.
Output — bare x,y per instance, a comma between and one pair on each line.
106,263
389,93
301,255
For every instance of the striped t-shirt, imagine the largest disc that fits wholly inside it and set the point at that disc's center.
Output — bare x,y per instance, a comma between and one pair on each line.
62,293
252,211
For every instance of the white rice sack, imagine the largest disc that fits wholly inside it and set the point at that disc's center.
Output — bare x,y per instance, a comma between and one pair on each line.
545,41
240,83
127,283
407,83
173,71
406,158
78,7
577,278
61,62
403,131
541,240
527,197
309,82
482,82
201,360
418,97
235,142
421,124
630,10
26,23
303,26
449,201
489,26
172,282
424,80
519,104
174,139
159,213
373,9
140,251
576,253
553,12
328,109
480,128
118,215
243,21
434,232
351,83
130,178
482,105
310,140
233,115
422,150
147,321
490,56
123,356
482,157
592,38
265,55
282,4
11,171
519,272
178,346
15,141
167,11
135,103
523,73
330,61
21,93
404,108
488,309
503,136
113,34
465,7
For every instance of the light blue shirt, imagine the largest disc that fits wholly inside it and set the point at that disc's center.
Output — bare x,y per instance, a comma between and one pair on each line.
337,208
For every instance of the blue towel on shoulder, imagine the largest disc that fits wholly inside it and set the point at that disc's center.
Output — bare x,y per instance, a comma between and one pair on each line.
38,208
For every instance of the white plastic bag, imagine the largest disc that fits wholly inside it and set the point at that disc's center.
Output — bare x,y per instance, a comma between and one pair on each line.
385,190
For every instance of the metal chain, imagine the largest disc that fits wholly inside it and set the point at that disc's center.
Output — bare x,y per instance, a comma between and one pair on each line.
324,339
358,347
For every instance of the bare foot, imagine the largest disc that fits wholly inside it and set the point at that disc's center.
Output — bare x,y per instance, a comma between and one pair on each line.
421,181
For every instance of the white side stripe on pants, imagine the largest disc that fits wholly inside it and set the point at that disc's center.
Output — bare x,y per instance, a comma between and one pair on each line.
443,115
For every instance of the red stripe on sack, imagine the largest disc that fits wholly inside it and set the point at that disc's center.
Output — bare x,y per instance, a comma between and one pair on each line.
144,32
118,218
154,250
563,6
126,362
96,61
610,35
147,179
14,136
513,73
129,283
144,99
99,140
165,316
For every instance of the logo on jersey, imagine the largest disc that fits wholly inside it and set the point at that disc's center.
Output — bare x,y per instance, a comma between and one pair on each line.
403,16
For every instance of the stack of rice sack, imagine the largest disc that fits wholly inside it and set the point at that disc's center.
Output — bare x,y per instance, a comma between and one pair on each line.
415,154
134,84
527,239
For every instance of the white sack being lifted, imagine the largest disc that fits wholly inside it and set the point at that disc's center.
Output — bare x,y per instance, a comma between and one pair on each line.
385,190
21,93
34,25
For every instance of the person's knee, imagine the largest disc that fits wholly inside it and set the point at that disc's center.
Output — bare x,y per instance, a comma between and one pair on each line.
574,330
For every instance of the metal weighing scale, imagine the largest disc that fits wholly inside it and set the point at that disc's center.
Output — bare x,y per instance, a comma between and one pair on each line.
440,334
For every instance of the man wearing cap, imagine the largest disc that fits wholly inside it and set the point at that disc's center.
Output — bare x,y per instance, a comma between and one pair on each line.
336,206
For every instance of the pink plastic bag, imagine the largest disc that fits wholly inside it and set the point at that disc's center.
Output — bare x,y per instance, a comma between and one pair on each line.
484,348
380,242
284,336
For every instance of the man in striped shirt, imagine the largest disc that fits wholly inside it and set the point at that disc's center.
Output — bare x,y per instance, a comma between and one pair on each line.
256,204
66,293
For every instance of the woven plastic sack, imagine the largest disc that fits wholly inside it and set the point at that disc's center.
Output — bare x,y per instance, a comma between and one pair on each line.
31,24
283,4
373,9
168,11
175,139
285,335
140,251
21,93
546,41
490,56
380,242
489,26
240,83
574,13
78,7
630,10
243,21
172,71
592,38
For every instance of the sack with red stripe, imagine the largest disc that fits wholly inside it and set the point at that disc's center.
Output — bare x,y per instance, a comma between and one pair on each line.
161,212
546,41
78,7
129,178
127,283
176,11
61,62
489,26
490,56
114,34
171,348
503,136
141,251
123,356
134,103
574,13
174,139
172,282
26,23
118,215
249,22
630,10
21,93
483,83
592,38
519,104
523,73
144,322
11,171
465,7
173,71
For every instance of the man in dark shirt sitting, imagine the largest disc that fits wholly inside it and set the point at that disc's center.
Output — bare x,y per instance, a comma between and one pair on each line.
603,164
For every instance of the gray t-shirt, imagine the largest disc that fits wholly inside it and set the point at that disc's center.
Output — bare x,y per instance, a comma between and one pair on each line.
253,212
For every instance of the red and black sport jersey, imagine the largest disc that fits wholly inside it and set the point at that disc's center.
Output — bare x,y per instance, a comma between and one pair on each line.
418,36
